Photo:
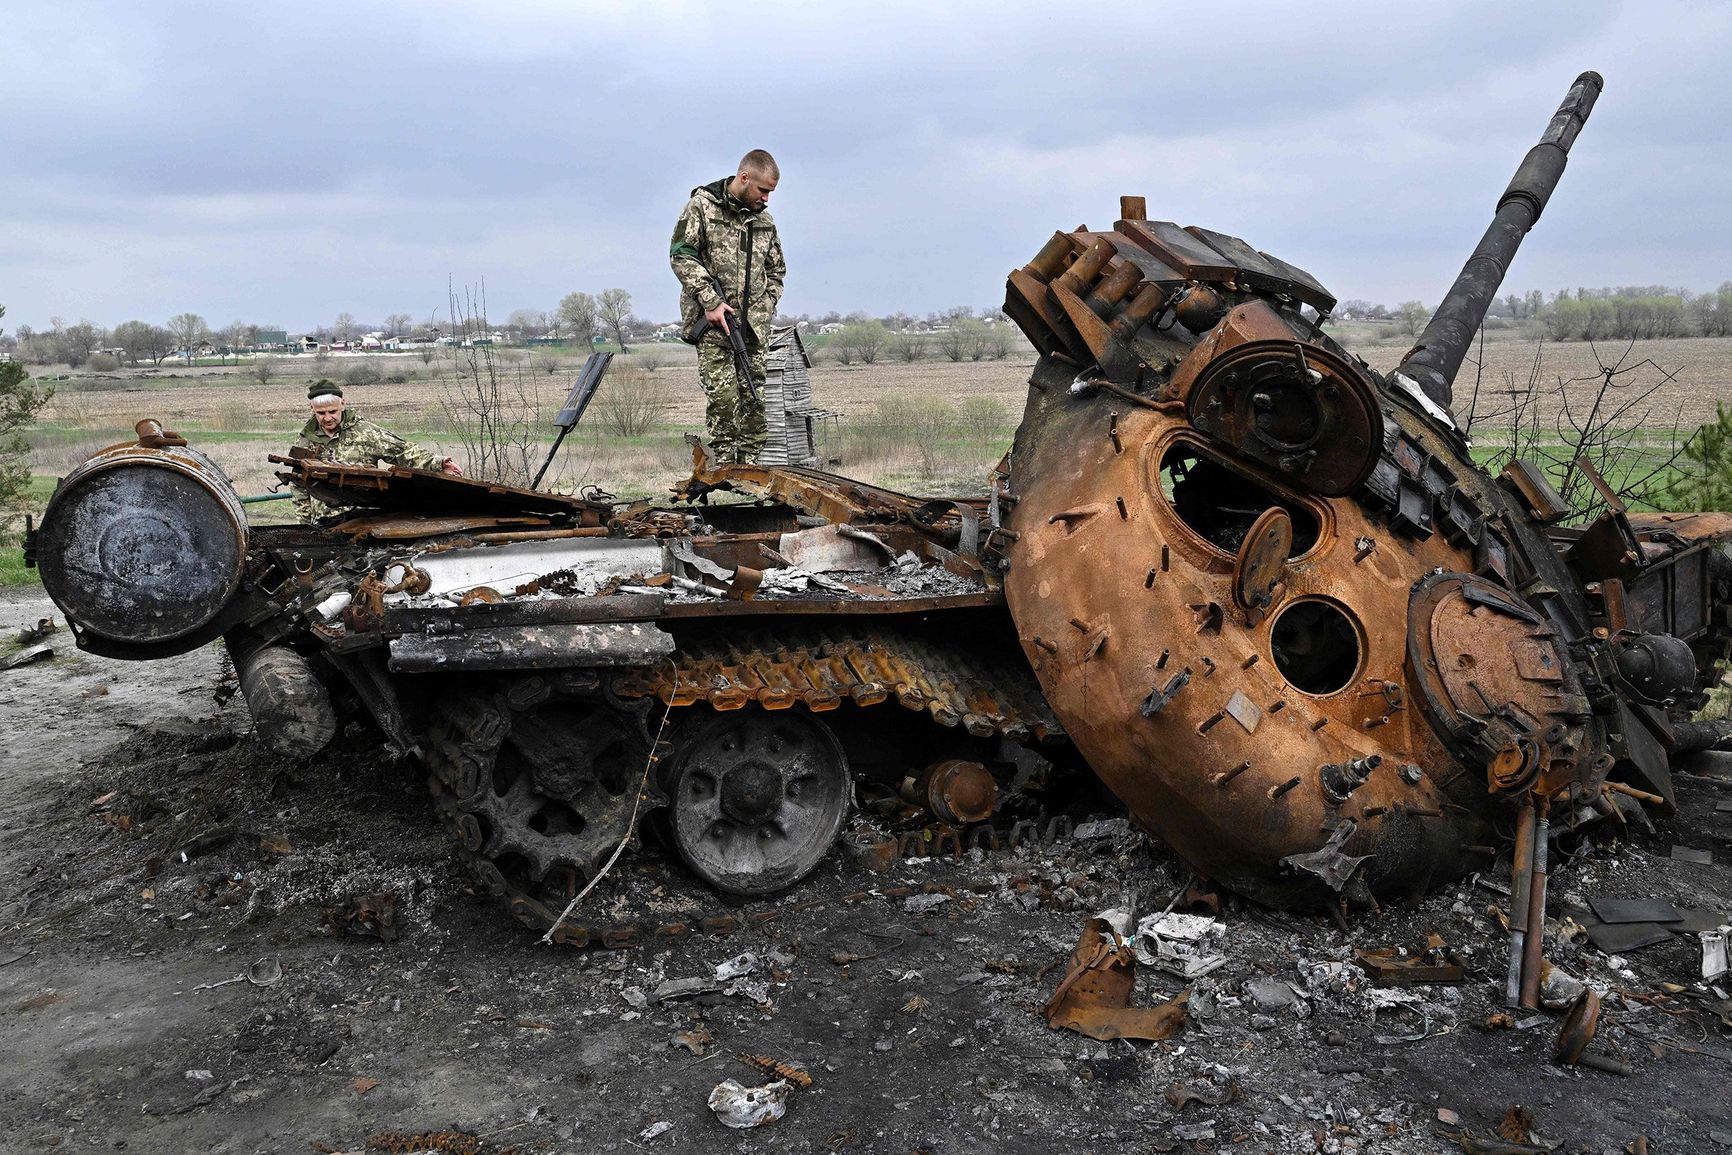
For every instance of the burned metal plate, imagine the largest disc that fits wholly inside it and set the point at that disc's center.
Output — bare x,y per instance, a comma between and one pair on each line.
1622,937
1618,910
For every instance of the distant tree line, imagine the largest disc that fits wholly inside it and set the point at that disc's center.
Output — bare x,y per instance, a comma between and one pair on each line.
1622,312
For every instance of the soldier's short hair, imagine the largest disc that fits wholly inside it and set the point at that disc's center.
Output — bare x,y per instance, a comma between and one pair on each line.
760,163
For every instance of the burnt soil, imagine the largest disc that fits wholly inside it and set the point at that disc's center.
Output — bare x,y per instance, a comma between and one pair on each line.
148,845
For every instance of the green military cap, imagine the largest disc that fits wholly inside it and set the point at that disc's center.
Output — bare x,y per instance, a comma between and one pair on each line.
323,388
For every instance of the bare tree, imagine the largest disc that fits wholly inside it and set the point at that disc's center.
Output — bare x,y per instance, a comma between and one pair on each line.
143,341
238,335
189,331
1605,419
344,325
965,337
614,309
1412,317
396,323
72,345
492,411
263,368
632,401
527,322
577,315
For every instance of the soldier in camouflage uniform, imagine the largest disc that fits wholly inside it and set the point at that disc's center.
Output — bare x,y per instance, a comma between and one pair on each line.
337,433
726,233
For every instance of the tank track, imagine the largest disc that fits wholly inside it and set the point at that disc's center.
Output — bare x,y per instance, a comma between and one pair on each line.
819,669
822,668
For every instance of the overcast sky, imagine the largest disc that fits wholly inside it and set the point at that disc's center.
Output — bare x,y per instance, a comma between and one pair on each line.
284,163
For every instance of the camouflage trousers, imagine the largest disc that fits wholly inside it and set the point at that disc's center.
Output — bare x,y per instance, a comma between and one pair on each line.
733,421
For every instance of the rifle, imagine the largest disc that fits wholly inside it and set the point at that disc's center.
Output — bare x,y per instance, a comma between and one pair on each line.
736,333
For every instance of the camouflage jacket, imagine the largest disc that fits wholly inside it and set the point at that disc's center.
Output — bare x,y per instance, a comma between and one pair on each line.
717,234
357,442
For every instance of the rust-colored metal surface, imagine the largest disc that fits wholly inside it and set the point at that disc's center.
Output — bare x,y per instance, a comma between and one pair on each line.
1284,615
1093,998
397,489
822,670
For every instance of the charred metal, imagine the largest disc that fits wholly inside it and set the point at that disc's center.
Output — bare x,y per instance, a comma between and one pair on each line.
1264,592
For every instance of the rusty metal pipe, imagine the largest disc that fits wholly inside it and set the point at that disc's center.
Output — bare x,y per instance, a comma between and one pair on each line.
1049,262
1520,892
1144,305
1086,267
1533,946
1113,287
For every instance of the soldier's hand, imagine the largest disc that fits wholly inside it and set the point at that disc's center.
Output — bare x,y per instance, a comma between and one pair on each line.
450,466
718,316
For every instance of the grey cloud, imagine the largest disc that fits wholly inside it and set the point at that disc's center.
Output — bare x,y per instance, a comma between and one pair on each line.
322,157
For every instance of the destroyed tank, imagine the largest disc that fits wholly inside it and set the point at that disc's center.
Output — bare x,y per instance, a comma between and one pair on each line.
1264,592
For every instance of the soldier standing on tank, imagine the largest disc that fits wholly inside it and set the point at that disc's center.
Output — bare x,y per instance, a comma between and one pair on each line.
337,433
729,261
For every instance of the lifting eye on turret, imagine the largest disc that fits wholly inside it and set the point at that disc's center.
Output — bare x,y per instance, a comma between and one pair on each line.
1220,504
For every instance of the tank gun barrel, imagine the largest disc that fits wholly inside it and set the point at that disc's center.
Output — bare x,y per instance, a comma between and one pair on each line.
1435,359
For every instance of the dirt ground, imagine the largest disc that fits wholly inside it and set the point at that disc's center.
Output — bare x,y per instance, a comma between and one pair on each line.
150,848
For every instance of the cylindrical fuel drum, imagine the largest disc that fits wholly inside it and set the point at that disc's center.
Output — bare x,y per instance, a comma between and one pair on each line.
143,544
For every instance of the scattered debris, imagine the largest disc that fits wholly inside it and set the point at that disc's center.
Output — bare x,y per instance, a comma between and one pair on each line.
373,915
1578,1031
743,1107
27,655
1624,937
1093,998
362,1084
1394,966
798,1077
1633,910
1182,1096
1517,1125
730,977
266,972
654,1131
1175,943
203,1099
1714,952
694,1040
1691,854
30,635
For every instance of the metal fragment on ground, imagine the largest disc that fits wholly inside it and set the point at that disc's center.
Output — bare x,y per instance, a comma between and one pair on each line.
1623,937
1633,910
1093,997
742,1107
1393,966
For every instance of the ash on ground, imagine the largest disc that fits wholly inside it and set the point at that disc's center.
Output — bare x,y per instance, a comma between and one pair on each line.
180,856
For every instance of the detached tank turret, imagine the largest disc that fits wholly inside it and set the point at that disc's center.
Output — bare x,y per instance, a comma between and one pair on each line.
1278,607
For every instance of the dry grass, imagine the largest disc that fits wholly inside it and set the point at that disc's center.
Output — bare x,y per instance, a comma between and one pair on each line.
242,420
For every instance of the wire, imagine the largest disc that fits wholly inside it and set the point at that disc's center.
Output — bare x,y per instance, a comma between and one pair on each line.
631,823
